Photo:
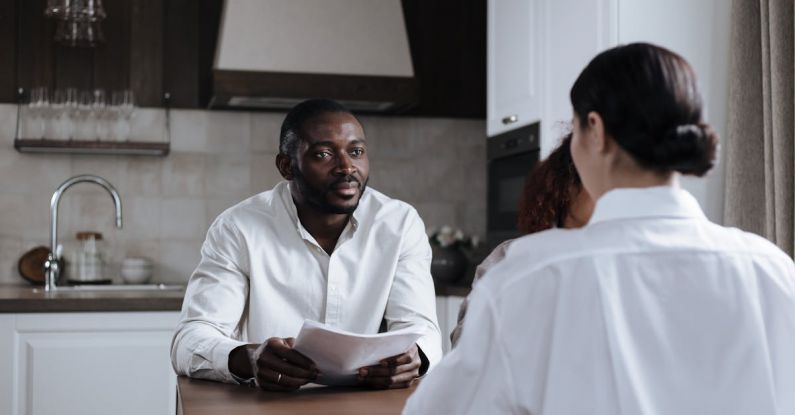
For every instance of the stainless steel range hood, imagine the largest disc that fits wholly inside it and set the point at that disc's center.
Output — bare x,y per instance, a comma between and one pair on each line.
274,53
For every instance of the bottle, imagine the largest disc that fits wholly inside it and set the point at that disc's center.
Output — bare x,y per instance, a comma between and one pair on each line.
89,259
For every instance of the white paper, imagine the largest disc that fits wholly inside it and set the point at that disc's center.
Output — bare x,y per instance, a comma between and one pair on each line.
339,354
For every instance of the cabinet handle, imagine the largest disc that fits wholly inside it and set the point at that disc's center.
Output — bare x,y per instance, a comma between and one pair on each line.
510,119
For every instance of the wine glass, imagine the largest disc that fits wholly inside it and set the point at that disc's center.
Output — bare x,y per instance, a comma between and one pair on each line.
85,102
100,106
57,127
71,112
38,106
124,103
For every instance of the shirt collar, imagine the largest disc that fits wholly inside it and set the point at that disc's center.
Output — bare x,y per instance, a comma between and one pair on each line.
283,189
646,202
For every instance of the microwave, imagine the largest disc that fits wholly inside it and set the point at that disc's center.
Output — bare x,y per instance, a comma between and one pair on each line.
511,157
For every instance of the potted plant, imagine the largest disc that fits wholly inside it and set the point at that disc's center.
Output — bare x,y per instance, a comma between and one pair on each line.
449,262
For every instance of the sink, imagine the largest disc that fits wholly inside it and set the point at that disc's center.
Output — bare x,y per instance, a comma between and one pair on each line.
116,287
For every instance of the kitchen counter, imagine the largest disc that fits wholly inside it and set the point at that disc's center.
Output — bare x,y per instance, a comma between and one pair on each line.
200,397
28,299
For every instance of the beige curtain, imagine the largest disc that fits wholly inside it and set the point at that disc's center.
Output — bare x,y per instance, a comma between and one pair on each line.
759,144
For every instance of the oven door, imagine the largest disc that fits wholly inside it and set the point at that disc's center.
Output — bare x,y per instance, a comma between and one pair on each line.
507,177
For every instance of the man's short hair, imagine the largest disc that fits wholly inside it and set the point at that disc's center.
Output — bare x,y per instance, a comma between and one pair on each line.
298,115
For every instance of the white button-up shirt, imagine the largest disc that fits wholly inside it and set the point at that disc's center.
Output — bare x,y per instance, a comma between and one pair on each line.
261,274
649,309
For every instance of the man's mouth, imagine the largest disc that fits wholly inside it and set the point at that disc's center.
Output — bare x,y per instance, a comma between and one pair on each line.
346,188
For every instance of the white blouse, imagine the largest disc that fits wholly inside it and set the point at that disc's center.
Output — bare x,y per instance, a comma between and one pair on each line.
261,274
649,309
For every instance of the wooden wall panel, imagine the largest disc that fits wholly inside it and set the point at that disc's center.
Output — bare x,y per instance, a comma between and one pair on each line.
146,51
181,56
448,48
74,67
35,66
8,50
111,64
209,24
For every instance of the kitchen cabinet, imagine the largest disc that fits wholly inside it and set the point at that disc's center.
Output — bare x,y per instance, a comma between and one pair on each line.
87,363
153,47
447,315
514,33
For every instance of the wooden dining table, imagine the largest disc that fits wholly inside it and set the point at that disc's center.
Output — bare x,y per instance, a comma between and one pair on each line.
201,397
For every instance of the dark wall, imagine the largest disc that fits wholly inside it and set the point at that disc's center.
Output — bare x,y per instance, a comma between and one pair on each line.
167,46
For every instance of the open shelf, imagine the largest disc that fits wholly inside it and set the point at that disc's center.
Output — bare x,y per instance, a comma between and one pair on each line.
29,145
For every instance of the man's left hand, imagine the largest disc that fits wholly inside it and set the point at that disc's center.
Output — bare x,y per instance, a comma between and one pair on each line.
393,372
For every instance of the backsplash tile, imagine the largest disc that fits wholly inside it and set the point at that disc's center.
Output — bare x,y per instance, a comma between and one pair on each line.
218,159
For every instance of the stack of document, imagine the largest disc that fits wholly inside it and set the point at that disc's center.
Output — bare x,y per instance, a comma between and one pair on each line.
339,354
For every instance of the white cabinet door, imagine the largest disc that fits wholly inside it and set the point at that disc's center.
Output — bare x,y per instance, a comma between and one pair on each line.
447,315
93,363
513,72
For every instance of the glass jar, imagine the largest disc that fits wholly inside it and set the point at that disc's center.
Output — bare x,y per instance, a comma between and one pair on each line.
89,262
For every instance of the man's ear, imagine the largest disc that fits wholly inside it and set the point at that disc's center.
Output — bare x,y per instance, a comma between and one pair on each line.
285,165
596,132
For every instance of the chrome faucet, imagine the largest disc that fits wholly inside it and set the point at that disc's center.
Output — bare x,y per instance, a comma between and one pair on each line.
52,269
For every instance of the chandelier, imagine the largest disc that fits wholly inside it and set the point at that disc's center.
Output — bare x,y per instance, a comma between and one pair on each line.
78,22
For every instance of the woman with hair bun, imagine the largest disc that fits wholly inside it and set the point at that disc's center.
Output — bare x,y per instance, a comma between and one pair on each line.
648,309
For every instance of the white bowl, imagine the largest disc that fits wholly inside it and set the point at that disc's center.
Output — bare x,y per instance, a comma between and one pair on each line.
136,270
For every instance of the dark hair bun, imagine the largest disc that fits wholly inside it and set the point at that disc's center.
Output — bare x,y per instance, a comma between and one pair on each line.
689,149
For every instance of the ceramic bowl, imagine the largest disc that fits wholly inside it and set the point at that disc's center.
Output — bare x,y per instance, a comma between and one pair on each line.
136,270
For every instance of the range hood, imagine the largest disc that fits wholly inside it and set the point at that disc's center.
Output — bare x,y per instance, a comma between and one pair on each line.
272,54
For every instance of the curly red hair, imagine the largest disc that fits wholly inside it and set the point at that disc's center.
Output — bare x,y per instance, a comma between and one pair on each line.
549,190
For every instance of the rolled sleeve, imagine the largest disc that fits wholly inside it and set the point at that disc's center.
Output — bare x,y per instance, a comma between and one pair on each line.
412,299
213,309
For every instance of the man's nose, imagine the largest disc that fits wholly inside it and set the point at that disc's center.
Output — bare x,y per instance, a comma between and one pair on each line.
345,165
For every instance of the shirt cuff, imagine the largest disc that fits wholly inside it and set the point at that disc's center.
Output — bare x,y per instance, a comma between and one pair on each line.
431,348
221,359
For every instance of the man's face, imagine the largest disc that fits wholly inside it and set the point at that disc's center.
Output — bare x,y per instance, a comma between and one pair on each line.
331,167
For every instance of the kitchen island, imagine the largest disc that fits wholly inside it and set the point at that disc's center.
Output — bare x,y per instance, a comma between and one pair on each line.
200,397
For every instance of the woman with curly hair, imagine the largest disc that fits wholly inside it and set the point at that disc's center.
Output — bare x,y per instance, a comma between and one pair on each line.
553,197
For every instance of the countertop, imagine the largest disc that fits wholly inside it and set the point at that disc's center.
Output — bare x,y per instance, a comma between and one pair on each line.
29,299
200,397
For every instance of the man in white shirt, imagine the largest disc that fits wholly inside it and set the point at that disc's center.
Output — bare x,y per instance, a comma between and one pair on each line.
320,246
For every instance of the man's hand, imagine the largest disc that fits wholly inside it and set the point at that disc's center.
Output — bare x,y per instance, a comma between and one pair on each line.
393,372
275,365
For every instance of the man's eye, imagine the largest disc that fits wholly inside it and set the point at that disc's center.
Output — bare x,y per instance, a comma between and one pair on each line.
357,152
322,154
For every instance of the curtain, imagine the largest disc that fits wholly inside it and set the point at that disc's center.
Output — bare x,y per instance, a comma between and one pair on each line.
759,152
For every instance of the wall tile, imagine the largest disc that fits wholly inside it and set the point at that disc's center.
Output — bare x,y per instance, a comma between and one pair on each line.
228,175
141,218
148,124
13,219
188,131
178,260
30,173
265,129
228,132
389,138
8,123
437,214
263,172
182,218
144,176
218,159
184,174
11,250
111,168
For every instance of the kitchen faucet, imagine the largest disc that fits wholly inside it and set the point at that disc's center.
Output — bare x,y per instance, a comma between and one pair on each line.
52,268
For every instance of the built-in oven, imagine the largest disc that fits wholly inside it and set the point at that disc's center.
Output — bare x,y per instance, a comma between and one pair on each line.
511,157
